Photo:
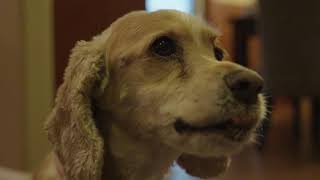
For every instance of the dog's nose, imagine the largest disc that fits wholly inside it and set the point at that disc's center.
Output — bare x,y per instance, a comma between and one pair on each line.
244,85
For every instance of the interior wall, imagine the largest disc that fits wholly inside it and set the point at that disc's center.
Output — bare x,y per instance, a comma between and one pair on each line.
12,94
26,79
38,36
221,13
81,22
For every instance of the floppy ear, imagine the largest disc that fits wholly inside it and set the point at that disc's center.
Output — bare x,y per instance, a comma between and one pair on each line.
71,126
203,167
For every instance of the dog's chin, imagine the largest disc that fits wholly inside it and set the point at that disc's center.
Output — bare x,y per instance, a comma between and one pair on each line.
207,145
204,145
211,140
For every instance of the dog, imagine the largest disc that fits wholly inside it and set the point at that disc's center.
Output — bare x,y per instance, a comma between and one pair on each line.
153,88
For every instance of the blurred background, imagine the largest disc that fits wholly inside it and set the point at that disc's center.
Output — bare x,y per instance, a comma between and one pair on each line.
278,38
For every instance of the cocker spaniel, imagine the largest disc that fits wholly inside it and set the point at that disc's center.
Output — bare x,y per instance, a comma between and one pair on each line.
151,89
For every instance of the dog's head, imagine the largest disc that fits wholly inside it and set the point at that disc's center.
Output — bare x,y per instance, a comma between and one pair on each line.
164,77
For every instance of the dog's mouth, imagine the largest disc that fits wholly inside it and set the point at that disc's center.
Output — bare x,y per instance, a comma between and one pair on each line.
227,128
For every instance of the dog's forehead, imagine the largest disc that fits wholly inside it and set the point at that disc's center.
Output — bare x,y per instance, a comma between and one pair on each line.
132,34
141,23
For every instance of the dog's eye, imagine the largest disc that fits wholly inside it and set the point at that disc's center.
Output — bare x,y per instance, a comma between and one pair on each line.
218,53
164,46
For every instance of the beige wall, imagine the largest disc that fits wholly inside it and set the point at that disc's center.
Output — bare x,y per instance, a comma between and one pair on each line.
12,91
38,38
26,80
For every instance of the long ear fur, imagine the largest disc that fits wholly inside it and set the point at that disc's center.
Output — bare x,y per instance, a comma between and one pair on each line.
203,167
71,127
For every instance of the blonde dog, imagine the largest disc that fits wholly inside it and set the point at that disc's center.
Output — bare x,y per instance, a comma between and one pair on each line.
151,89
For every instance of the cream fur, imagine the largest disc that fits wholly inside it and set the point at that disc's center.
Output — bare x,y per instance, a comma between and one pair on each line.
114,112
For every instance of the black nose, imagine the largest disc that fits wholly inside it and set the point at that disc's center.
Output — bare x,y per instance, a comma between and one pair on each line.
244,85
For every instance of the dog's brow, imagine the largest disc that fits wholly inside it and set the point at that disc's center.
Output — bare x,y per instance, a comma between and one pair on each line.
172,32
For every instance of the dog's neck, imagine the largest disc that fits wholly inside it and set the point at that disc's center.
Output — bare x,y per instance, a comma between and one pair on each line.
128,158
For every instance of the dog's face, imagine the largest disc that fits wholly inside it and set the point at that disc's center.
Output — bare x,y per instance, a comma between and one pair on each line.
171,82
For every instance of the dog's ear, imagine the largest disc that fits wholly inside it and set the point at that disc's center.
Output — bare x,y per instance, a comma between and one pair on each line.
71,126
203,167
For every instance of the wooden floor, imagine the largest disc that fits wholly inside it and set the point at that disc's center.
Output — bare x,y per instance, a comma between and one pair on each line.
284,156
